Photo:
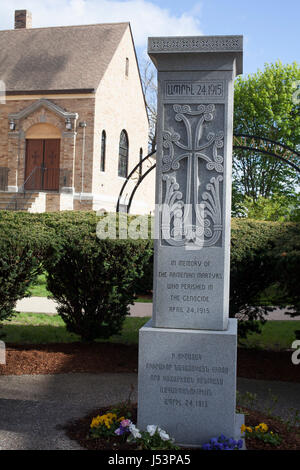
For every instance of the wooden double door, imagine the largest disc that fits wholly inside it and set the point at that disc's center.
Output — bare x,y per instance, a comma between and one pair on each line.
42,164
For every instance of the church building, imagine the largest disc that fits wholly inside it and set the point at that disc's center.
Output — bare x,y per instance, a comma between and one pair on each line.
73,120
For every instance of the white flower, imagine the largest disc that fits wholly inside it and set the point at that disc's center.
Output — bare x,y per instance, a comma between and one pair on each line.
135,431
151,429
163,435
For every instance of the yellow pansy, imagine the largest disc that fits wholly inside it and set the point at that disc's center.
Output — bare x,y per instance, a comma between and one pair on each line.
96,421
106,419
263,427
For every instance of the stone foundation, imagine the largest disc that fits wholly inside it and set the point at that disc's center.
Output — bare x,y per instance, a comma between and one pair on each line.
187,382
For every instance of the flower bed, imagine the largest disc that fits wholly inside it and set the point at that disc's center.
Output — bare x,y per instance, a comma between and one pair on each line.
120,433
115,428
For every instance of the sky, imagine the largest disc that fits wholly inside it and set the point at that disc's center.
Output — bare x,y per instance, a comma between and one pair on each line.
270,27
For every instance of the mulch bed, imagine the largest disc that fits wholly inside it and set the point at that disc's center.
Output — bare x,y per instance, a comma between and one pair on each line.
267,365
108,357
290,435
59,358
78,430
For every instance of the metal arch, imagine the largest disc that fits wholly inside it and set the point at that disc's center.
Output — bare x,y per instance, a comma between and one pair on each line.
130,175
137,185
294,153
295,162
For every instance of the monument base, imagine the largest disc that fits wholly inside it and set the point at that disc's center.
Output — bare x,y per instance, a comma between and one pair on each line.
187,383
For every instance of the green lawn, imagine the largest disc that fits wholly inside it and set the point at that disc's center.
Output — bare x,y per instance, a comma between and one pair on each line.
32,328
275,335
39,289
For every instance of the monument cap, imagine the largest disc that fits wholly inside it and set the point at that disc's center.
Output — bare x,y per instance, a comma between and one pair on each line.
232,45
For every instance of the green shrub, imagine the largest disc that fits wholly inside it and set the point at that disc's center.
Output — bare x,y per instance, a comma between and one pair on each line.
251,271
22,249
144,284
286,253
93,281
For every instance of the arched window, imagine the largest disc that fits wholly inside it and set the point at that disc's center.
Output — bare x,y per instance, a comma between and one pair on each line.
141,166
103,151
126,67
123,155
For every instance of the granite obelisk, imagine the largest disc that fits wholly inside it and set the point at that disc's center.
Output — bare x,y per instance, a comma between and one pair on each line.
187,353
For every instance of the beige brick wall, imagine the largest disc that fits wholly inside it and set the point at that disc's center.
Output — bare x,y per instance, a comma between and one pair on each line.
83,205
120,105
9,141
52,202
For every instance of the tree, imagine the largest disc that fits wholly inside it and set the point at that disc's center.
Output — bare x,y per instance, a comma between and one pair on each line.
279,208
149,83
265,106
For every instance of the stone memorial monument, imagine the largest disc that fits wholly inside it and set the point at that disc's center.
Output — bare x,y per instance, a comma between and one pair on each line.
187,352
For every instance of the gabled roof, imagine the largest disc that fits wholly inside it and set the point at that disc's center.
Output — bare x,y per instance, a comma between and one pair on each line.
57,59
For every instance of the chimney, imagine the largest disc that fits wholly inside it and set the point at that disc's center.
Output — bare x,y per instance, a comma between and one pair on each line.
23,19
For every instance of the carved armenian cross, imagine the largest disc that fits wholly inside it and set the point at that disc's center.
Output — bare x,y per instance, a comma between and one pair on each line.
186,218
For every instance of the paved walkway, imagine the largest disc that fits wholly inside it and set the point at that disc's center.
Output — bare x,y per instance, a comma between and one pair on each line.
139,309
45,305
34,407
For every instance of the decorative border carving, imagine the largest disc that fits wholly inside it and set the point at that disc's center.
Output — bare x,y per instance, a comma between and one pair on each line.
195,44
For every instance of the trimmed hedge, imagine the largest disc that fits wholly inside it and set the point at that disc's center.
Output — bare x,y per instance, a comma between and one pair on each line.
83,269
23,247
254,267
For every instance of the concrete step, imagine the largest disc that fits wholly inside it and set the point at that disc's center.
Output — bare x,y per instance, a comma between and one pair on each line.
5,195
3,206
17,198
19,201
9,200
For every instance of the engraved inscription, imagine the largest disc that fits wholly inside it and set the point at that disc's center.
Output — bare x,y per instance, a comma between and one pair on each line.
191,285
197,89
197,389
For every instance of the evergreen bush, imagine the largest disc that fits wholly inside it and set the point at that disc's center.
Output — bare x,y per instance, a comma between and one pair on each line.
93,281
22,249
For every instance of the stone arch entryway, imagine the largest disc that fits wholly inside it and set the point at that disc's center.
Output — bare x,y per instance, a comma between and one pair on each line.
46,121
42,157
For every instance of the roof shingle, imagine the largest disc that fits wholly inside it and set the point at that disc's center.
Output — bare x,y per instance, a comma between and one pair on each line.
61,58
